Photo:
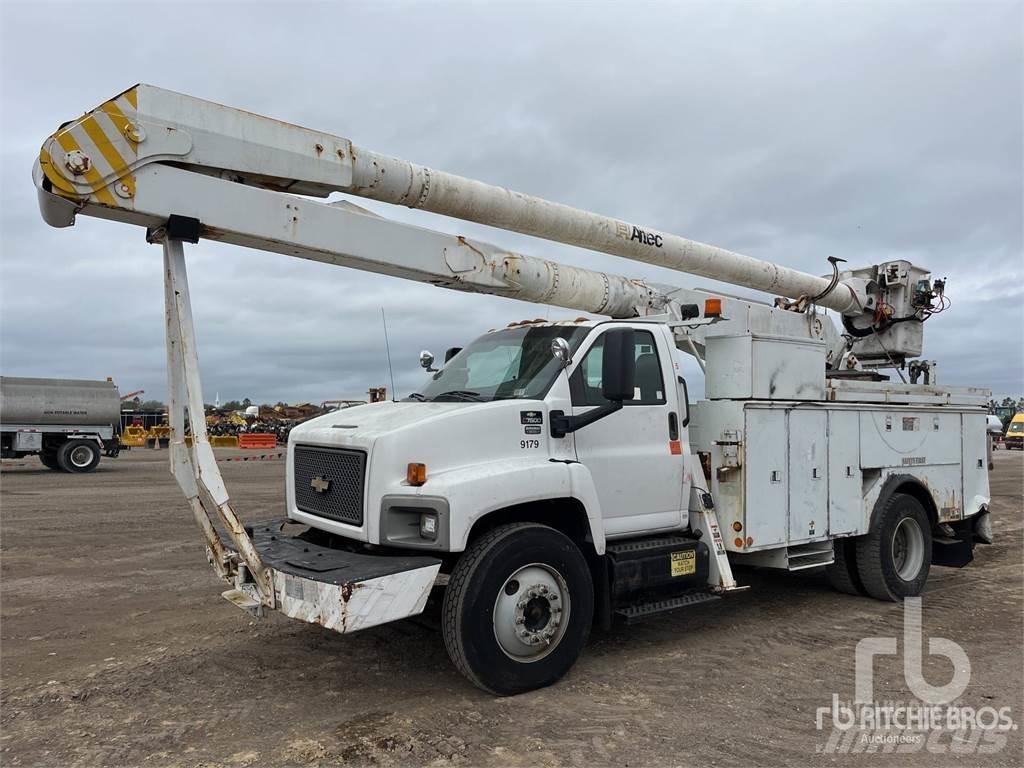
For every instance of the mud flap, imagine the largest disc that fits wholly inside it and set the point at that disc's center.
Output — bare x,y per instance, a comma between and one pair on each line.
953,543
339,588
952,553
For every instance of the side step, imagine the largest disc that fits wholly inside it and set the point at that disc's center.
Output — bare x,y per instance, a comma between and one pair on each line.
810,555
640,611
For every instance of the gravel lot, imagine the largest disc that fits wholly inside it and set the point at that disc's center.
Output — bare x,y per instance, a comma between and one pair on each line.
117,650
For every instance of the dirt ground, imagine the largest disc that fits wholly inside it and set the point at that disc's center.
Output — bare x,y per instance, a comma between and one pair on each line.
118,650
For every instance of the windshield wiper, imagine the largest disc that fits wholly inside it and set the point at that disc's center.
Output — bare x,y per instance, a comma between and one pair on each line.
416,396
460,394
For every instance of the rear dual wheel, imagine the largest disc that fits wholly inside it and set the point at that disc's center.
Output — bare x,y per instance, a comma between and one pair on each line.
891,562
843,574
518,608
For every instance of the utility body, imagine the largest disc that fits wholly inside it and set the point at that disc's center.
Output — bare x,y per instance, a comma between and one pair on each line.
68,423
549,475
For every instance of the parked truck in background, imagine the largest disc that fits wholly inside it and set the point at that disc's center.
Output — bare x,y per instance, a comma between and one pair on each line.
68,423
1014,437
552,474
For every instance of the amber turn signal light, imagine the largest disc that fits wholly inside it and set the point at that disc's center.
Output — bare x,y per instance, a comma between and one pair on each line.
712,307
416,474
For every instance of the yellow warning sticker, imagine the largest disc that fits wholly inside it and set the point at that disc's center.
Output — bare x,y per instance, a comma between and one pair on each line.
684,563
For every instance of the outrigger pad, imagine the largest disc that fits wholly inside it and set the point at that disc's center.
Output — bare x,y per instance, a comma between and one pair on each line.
290,547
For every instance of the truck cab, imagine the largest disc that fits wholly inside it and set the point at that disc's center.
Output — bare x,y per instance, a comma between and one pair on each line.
541,476
497,431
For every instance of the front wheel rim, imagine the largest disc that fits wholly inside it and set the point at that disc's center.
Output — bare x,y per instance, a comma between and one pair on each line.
81,456
531,612
908,549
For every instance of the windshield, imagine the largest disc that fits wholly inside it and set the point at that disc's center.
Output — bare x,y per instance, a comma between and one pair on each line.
515,363
1016,426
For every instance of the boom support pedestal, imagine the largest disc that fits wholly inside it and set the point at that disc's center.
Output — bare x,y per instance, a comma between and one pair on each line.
195,468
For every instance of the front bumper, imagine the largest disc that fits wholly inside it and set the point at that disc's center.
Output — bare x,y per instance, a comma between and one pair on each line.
338,588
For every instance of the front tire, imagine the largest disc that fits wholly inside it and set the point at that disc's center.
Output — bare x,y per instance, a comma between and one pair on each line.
518,608
78,456
893,560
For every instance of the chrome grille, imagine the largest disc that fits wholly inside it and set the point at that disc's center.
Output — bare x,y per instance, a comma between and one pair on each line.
329,483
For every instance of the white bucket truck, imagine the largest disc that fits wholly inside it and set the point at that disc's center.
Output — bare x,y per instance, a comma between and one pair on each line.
551,474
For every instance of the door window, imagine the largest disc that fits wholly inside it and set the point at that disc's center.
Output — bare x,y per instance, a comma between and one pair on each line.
585,383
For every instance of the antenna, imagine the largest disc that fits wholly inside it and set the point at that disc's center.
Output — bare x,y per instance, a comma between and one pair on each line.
387,348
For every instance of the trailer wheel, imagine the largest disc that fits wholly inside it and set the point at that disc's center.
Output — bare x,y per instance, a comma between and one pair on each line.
518,608
49,459
843,574
78,456
893,560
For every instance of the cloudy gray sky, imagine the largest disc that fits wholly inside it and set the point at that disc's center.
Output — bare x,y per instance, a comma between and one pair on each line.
786,131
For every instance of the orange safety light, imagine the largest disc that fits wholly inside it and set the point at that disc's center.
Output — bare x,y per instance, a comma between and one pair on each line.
712,307
416,474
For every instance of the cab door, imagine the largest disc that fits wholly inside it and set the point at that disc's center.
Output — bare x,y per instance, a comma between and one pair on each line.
634,455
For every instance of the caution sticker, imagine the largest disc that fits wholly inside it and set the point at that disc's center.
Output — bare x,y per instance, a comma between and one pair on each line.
684,563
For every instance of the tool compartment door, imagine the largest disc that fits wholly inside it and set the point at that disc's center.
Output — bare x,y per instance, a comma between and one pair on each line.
975,462
890,438
845,496
766,487
808,482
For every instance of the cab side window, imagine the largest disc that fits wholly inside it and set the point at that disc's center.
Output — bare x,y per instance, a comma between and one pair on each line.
585,383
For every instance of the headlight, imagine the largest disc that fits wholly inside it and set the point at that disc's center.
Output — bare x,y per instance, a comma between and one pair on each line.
415,522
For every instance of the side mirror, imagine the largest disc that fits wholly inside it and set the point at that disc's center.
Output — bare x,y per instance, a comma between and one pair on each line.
427,360
561,351
618,365
618,379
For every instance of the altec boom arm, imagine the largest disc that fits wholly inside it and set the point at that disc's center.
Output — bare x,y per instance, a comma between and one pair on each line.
149,153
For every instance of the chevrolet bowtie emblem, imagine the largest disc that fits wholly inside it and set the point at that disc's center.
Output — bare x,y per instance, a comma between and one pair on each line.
320,484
